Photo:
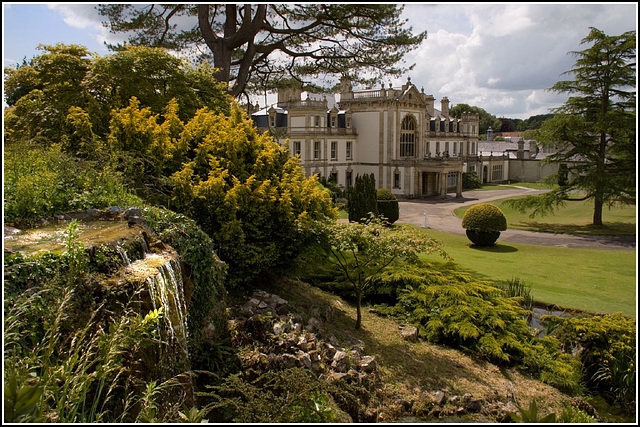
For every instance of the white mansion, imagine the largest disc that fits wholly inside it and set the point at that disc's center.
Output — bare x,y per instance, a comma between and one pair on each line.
397,134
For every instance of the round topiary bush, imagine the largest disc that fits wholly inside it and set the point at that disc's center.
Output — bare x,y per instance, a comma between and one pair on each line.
483,223
388,205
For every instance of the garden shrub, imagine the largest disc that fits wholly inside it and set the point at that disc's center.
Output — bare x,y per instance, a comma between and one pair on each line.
608,352
388,205
470,180
484,217
450,307
246,192
483,223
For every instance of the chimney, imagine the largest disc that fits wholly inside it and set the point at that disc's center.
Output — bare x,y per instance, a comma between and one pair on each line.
346,90
445,106
520,149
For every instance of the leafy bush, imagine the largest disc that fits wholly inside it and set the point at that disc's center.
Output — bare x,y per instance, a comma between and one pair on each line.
41,182
245,191
608,352
362,198
470,180
484,217
388,205
575,416
452,308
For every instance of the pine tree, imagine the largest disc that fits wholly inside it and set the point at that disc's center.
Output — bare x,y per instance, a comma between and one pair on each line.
595,130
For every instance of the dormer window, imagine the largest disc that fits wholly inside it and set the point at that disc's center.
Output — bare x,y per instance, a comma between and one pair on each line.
333,121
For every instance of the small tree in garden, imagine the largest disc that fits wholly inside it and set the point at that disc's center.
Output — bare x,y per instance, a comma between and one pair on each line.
363,198
362,251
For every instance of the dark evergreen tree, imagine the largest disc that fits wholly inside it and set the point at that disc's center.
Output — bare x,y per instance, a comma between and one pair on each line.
363,198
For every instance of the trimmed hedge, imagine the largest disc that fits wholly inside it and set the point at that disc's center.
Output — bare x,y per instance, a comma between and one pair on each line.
484,217
388,205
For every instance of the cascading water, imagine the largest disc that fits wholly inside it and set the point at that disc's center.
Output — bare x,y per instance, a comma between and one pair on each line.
163,276
165,290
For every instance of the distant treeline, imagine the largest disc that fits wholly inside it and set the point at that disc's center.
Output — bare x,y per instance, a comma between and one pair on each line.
519,125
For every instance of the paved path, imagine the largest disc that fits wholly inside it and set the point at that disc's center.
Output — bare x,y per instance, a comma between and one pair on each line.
440,217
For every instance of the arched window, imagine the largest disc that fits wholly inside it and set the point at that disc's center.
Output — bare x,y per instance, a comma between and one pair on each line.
408,137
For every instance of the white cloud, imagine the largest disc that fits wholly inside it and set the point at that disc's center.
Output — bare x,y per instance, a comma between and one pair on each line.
82,16
506,55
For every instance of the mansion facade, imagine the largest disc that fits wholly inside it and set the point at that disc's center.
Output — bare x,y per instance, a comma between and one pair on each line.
397,134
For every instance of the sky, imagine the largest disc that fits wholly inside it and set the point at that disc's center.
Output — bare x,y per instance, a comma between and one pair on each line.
498,56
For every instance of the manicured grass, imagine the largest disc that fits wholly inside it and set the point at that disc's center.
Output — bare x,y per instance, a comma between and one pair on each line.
573,218
586,279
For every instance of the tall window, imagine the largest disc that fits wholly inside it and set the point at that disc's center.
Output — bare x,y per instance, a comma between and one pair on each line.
348,149
347,180
407,137
333,121
317,121
333,176
496,173
437,148
455,148
396,180
296,148
334,150
348,123
316,150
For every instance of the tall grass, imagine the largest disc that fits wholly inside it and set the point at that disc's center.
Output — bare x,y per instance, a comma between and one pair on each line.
515,287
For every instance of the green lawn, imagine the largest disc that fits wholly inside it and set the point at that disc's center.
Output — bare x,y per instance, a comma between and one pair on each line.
508,185
587,279
573,218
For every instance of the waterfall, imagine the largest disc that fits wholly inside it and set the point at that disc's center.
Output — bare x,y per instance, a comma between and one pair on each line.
162,276
165,290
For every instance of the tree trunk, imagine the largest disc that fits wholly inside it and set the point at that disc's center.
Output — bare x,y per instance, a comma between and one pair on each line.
597,211
358,311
